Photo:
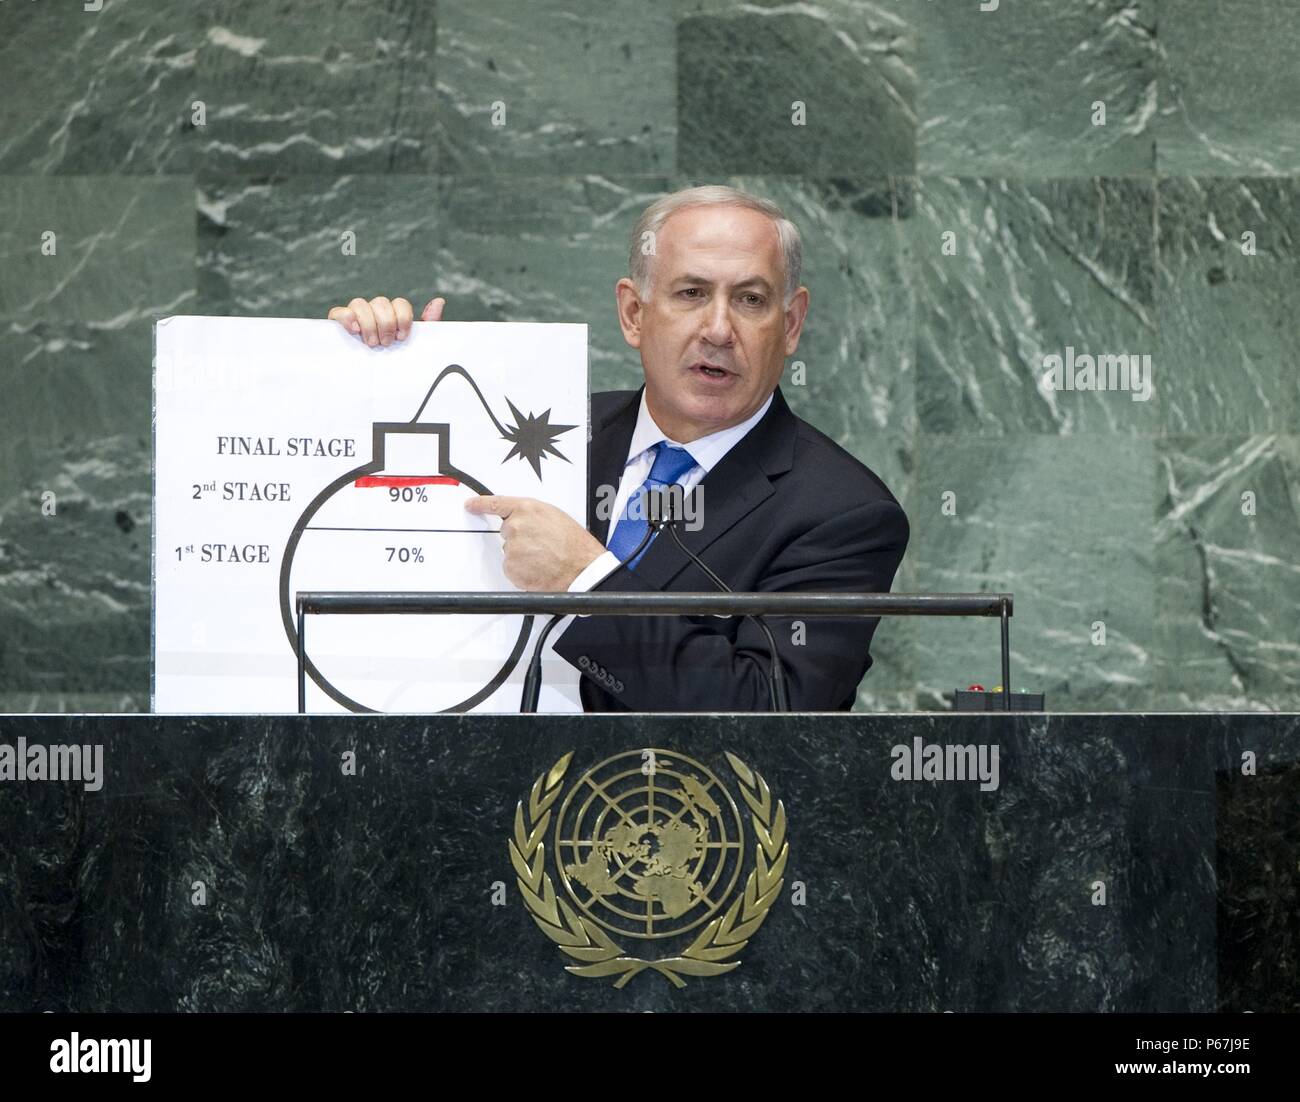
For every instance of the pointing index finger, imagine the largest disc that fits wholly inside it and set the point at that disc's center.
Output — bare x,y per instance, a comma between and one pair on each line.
497,505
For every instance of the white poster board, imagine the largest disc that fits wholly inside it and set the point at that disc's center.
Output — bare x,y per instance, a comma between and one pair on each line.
290,457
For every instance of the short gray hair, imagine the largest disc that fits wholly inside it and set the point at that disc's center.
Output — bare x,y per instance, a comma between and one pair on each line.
656,214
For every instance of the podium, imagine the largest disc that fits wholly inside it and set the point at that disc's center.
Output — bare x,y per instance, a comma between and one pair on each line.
1095,862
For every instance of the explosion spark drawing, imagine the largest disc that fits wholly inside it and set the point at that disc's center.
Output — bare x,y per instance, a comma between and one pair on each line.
533,437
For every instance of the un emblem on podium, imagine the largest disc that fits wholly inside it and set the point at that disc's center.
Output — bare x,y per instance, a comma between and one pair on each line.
650,845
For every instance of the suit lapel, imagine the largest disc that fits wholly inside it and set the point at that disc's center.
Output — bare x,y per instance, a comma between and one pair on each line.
610,439
736,485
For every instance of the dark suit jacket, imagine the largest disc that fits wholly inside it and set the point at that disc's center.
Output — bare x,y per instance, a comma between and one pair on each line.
785,509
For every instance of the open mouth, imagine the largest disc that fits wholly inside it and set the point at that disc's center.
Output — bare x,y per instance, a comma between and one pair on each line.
709,371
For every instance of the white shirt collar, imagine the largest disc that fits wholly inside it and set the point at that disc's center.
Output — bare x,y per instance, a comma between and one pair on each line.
707,451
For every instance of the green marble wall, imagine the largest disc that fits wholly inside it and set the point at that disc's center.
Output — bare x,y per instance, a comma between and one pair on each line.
924,118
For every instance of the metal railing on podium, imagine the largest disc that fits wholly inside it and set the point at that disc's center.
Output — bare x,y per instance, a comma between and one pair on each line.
998,605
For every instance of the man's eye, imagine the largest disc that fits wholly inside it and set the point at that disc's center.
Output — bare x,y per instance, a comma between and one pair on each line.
689,290
755,300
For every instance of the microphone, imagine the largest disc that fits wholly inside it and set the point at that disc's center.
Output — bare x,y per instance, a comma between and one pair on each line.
665,507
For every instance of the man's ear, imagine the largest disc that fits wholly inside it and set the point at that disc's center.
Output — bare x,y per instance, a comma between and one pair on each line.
629,311
795,314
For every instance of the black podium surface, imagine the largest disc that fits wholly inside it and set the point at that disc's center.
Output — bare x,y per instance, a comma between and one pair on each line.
1119,862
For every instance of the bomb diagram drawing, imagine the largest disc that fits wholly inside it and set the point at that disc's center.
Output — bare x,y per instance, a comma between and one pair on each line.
398,524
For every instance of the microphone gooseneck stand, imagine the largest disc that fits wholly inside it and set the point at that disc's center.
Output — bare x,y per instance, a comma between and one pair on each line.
776,671
661,514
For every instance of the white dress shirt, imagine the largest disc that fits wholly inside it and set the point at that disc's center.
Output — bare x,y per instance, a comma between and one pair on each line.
707,452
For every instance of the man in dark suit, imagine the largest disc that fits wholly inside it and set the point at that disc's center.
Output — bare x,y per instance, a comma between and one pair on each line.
786,509
713,304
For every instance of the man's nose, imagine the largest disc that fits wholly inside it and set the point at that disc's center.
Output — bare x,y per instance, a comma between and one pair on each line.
717,322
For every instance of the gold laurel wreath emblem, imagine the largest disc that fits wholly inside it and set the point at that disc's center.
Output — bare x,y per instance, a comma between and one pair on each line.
584,940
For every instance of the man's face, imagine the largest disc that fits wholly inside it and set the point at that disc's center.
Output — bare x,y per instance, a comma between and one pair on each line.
714,302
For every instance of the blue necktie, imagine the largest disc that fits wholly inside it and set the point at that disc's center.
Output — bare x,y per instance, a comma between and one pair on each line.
670,464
